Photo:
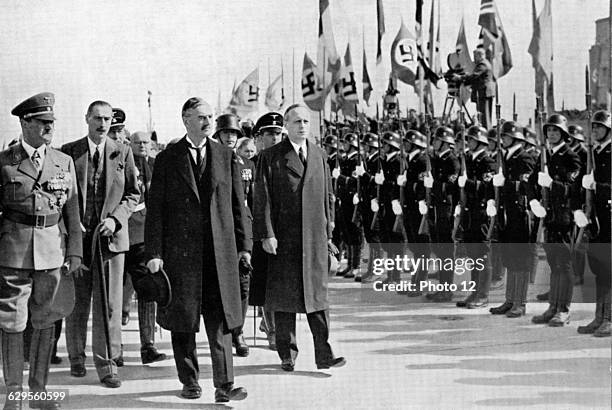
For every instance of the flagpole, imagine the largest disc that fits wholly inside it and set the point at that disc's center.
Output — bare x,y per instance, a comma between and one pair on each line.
282,83
149,93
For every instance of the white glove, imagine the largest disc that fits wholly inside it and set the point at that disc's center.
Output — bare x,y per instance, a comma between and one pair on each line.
498,179
588,181
580,219
336,173
422,207
537,208
457,210
397,208
379,178
462,180
544,180
360,170
355,199
374,205
428,180
155,264
401,179
491,210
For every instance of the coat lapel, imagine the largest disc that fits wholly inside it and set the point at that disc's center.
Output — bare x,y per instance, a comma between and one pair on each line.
183,165
293,162
313,159
213,159
111,160
25,165
80,156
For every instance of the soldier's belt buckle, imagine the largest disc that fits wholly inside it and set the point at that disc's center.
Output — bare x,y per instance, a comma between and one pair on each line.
41,221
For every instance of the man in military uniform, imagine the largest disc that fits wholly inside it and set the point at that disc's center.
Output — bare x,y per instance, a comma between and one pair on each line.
563,166
108,193
40,246
351,168
117,131
598,253
476,181
415,146
445,168
368,195
135,258
497,267
579,255
228,132
512,219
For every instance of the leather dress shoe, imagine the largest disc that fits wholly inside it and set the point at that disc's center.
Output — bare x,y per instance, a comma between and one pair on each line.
603,330
151,355
44,404
502,309
542,296
228,392
55,359
242,349
516,311
466,301
78,370
125,318
590,328
111,381
544,317
349,275
343,271
336,362
559,319
441,297
478,303
287,365
191,391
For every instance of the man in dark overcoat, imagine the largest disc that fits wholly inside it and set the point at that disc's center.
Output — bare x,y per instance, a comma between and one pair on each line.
197,230
293,215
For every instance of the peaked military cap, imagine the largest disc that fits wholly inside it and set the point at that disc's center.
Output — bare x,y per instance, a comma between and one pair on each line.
268,120
118,119
38,106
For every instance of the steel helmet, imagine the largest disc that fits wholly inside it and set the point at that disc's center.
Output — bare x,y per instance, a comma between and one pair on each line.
558,121
478,133
512,129
445,134
602,117
391,138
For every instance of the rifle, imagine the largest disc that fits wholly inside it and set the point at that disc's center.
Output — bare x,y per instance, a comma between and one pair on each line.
355,218
424,225
459,221
337,155
588,196
398,226
492,231
544,192
374,223
514,113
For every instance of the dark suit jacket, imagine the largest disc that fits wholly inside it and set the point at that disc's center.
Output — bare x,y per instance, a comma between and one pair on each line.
174,231
122,192
481,80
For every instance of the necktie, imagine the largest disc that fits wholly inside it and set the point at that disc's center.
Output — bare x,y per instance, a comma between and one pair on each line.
301,155
199,157
36,159
96,159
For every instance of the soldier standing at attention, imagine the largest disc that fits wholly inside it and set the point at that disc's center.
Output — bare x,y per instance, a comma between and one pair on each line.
40,246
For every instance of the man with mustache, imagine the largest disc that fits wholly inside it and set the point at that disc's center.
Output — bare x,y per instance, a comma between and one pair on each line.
108,194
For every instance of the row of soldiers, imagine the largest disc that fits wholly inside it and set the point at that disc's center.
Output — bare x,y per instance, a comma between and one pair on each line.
479,193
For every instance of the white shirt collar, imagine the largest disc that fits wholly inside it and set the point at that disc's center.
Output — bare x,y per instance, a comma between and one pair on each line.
42,150
391,155
477,153
297,147
443,153
557,148
92,146
510,151
602,146
413,154
192,145
372,155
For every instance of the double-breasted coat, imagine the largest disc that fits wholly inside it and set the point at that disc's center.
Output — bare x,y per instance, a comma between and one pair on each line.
294,204
174,231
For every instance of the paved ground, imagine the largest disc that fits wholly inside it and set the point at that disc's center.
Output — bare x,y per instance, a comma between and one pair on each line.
400,355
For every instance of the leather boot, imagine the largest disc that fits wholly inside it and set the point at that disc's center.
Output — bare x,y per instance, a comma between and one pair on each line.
604,329
502,309
546,316
591,327
12,365
40,359
349,255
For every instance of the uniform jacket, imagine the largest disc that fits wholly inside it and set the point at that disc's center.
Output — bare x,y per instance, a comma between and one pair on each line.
136,222
481,80
295,205
122,193
23,190
174,231
601,197
247,176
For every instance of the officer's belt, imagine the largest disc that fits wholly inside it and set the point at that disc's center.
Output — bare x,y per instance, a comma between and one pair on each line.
37,221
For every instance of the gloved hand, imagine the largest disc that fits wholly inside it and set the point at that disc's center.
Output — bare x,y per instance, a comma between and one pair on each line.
396,207
462,180
544,180
498,179
457,210
428,180
588,181
360,170
537,208
422,207
580,218
374,205
355,199
401,179
379,178
155,264
336,173
491,210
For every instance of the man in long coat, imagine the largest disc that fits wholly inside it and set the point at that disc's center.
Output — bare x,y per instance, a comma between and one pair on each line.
197,229
293,215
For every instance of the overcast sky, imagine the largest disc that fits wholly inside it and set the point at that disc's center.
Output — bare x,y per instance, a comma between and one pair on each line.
117,50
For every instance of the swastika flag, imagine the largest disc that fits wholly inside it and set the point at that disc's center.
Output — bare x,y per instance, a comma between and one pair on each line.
404,56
